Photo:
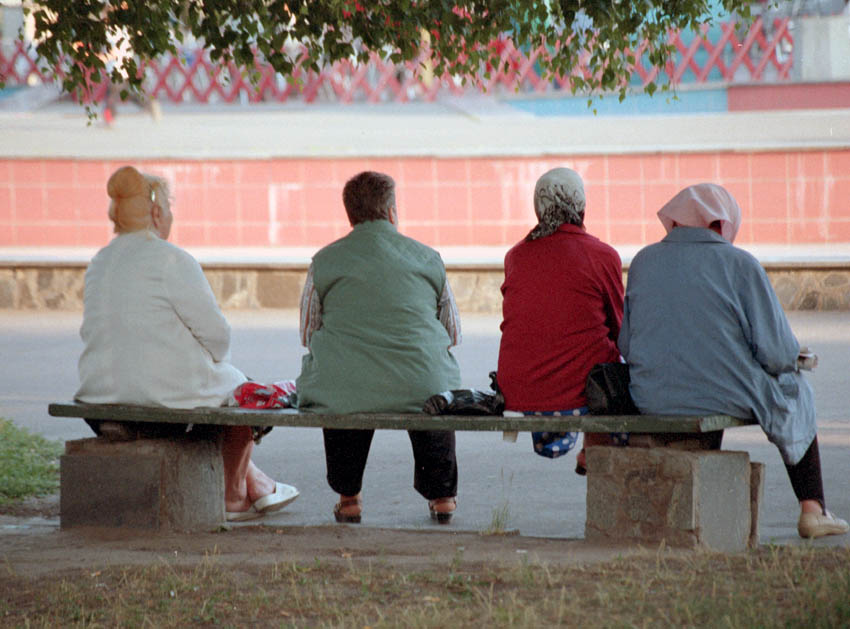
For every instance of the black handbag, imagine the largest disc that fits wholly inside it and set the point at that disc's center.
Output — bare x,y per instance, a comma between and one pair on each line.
607,390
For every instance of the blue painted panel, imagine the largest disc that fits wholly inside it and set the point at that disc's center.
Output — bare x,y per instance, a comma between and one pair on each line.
697,101
6,92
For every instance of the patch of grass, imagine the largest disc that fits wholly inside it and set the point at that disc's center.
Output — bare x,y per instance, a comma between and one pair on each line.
499,519
501,512
802,586
29,464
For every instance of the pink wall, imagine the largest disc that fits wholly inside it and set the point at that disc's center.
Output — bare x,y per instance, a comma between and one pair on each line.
788,197
775,96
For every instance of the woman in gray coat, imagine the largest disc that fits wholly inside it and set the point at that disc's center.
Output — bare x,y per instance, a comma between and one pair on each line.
703,332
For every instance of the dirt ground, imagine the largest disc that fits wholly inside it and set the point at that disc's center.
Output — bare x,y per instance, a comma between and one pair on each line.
32,544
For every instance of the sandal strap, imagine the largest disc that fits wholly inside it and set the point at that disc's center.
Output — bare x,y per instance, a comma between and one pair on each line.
349,502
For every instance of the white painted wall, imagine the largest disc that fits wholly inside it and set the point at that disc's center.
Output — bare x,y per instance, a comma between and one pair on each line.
824,48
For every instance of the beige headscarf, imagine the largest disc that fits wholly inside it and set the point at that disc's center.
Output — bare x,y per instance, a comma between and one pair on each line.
558,199
699,206
132,199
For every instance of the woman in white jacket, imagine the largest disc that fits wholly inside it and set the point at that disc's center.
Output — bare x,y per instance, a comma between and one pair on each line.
154,335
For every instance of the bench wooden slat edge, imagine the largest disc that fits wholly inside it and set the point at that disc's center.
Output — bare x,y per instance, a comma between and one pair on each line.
398,421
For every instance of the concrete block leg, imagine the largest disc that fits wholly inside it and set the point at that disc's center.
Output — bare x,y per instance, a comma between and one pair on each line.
685,498
154,484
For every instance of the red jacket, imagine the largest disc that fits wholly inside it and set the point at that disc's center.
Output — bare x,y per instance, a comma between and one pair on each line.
561,313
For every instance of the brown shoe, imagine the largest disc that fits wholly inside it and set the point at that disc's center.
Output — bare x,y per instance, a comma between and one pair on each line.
442,509
348,509
581,463
814,525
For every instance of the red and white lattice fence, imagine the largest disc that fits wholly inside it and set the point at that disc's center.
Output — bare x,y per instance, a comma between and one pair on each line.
724,54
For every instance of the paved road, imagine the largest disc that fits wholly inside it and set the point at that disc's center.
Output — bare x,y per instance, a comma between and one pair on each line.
543,497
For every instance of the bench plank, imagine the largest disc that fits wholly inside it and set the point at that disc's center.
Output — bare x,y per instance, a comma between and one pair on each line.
232,416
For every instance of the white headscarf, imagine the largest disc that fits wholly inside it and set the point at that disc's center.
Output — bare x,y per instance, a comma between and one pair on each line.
700,206
558,199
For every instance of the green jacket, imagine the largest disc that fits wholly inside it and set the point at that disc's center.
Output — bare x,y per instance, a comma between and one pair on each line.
381,347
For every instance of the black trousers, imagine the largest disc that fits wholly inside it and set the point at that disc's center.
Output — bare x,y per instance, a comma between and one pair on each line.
806,477
143,430
435,462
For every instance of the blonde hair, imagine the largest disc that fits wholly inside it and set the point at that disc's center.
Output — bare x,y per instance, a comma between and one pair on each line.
161,190
132,198
133,195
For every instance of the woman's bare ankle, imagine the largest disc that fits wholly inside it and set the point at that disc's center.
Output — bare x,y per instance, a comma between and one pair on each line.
237,505
259,483
350,505
811,506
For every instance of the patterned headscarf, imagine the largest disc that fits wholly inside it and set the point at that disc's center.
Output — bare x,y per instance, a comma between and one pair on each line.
558,199
700,206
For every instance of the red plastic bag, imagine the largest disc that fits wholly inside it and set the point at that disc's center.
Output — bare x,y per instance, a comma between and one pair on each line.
264,396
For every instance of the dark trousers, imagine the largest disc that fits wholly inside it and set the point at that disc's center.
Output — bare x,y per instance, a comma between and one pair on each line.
142,430
435,463
806,477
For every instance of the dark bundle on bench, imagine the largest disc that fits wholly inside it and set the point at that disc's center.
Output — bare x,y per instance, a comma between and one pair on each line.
645,494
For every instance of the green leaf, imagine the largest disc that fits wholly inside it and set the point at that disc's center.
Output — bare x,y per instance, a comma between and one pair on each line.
461,33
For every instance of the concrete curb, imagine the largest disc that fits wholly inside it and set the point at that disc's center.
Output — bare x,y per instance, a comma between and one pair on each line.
59,286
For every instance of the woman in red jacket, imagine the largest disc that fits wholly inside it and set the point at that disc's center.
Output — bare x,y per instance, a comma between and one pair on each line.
562,308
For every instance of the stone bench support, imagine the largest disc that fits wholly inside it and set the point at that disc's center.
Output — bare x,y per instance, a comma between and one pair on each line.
684,498
153,484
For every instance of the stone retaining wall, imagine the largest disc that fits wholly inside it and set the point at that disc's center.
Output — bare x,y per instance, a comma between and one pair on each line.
54,287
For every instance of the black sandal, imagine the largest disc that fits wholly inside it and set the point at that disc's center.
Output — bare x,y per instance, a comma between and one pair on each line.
352,518
442,517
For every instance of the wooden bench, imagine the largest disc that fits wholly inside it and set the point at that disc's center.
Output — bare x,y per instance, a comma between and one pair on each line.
680,494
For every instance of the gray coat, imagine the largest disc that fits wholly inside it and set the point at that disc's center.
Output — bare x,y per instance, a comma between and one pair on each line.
703,332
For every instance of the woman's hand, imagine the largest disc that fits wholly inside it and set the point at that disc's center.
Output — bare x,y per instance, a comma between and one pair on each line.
807,360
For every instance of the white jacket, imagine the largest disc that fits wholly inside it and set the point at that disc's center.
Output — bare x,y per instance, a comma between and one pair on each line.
152,330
